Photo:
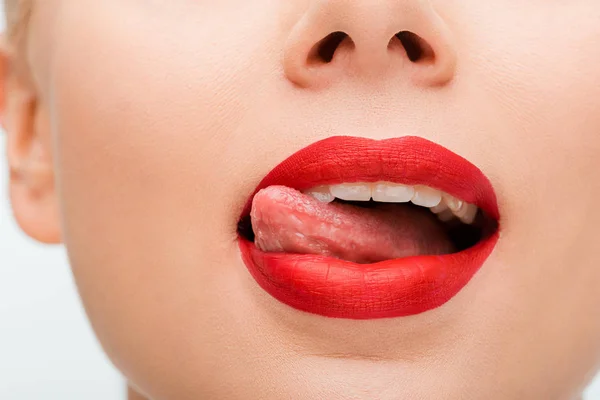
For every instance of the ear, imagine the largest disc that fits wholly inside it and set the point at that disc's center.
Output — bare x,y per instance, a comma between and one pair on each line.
28,150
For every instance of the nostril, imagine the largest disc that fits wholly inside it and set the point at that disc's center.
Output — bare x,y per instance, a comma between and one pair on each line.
417,49
324,51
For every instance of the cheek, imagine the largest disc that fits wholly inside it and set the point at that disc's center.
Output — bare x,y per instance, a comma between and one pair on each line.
535,88
147,125
542,119
155,109
151,155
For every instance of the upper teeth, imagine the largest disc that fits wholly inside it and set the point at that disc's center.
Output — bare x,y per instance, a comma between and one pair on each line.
440,203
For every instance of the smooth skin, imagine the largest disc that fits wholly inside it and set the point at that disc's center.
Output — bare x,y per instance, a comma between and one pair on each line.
137,129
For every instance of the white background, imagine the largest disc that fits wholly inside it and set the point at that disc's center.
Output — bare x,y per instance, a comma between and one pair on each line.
47,349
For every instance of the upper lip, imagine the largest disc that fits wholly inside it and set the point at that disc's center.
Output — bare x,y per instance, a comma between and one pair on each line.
408,160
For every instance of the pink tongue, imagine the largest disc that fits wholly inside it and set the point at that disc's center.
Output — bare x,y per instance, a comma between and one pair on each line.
286,220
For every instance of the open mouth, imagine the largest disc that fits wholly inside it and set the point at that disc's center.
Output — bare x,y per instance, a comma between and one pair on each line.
358,228
364,222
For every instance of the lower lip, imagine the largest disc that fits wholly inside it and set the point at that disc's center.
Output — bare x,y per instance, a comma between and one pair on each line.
340,289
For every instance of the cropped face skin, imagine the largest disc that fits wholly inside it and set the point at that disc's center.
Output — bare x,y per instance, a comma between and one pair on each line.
138,131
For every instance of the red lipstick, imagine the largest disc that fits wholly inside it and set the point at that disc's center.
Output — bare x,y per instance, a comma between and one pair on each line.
336,288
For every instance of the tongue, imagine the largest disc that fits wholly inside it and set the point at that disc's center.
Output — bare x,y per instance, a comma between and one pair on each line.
286,220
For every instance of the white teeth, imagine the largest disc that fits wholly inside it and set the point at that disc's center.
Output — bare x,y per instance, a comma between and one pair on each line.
426,197
469,214
453,203
446,207
392,193
321,193
466,212
352,191
451,207
440,208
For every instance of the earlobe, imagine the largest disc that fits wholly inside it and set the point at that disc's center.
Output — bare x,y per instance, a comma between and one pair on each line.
28,150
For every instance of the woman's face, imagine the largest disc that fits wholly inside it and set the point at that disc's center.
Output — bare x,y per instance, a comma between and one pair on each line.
164,116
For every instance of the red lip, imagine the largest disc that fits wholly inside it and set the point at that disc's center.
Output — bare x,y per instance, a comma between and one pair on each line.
393,288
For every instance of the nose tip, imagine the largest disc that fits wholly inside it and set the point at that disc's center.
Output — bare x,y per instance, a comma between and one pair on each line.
353,39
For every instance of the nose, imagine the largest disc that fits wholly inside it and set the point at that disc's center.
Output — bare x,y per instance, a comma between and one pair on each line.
369,39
